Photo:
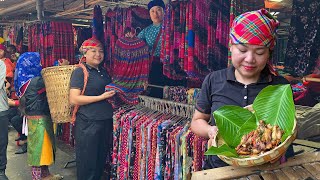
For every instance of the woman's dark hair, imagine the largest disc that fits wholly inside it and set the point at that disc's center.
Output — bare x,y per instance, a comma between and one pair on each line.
11,49
127,30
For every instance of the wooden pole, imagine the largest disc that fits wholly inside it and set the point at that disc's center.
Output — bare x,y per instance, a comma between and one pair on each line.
40,13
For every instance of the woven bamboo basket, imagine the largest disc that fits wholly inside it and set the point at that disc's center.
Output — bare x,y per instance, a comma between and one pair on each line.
268,157
57,82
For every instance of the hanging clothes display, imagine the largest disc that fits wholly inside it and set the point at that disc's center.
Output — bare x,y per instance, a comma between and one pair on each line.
53,40
151,145
115,22
131,67
304,38
195,38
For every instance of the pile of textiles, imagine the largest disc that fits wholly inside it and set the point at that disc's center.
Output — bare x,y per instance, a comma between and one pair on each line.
181,94
151,145
131,66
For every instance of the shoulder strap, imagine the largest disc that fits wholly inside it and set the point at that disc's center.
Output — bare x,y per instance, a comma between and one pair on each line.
85,80
156,43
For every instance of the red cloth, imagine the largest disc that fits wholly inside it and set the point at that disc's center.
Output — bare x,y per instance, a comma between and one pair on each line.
255,27
3,47
9,68
89,43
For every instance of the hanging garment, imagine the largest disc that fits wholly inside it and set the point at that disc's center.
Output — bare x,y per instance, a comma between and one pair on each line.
53,40
115,21
131,66
97,24
304,38
151,145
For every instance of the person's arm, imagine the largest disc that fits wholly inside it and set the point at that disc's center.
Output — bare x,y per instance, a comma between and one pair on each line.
201,116
76,84
77,99
2,73
200,125
13,103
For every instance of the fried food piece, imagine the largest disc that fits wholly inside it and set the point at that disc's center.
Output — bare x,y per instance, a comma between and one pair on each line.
264,138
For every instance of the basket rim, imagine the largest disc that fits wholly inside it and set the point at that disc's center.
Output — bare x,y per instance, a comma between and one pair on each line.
58,67
294,132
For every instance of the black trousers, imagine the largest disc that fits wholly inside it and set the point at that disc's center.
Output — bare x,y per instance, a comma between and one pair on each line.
4,121
93,143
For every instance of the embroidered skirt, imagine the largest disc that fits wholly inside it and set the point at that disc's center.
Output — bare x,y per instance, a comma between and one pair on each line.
41,143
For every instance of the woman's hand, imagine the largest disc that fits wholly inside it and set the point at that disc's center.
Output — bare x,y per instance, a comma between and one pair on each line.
212,133
11,102
108,94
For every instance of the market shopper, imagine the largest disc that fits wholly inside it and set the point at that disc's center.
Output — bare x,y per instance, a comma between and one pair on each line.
94,123
252,38
9,65
30,89
4,121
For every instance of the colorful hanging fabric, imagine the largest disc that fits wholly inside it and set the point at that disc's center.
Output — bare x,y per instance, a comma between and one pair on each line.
195,38
131,66
147,145
115,22
53,40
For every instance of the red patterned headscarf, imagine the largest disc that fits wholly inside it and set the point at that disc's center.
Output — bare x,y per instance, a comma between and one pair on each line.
88,44
255,27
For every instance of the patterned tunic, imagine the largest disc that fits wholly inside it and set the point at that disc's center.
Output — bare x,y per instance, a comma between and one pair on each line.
149,34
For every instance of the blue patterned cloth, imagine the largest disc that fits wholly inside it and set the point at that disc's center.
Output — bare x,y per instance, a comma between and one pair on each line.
149,34
28,66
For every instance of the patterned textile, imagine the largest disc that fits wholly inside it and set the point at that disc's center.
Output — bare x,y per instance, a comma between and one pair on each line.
115,21
41,143
304,38
153,140
238,7
192,95
131,66
195,38
53,40
180,94
255,27
149,35
39,172
175,93
89,43
28,66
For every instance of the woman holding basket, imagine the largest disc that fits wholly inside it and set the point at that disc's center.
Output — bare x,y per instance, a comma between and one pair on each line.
94,123
252,38
30,89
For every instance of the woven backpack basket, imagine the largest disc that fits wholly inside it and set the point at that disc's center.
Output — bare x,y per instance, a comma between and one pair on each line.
57,82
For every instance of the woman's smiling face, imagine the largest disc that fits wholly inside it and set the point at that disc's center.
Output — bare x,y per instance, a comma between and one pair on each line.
249,60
